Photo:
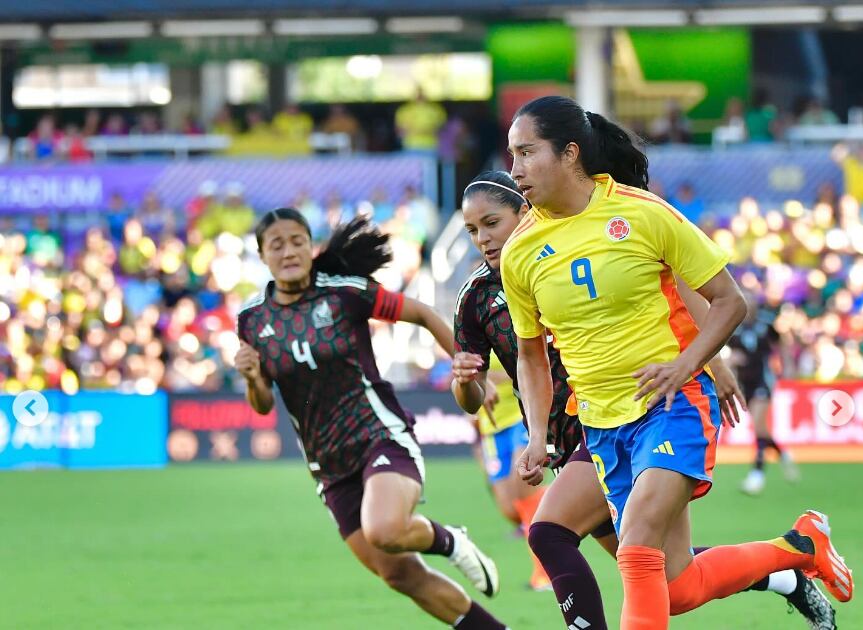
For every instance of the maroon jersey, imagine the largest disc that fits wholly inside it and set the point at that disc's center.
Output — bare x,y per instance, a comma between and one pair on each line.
318,352
482,325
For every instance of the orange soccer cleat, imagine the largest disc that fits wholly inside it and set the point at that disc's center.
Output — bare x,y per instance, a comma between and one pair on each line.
830,567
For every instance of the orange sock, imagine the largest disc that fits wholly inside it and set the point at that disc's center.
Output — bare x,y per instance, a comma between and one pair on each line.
526,508
723,571
645,591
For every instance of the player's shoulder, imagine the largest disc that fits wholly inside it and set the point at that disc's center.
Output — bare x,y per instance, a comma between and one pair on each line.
253,304
476,281
643,200
523,232
325,281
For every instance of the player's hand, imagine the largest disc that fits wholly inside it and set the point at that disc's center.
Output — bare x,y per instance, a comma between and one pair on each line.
728,392
531,462
662,380
248,362
465,367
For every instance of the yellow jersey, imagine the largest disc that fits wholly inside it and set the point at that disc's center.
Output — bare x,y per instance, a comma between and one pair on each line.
506,411
852,168
602,282
420,122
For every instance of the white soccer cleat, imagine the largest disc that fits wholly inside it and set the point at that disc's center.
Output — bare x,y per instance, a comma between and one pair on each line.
789,468
754,482
473,563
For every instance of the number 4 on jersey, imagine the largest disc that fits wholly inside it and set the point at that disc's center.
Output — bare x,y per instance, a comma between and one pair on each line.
303,354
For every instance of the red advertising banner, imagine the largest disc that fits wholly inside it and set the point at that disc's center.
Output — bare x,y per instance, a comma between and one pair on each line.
818,422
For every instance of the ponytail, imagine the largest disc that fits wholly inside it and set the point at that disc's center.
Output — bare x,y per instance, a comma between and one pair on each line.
356,248
615,154
605,147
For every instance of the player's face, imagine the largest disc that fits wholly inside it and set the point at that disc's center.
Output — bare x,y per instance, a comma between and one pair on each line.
489,224
287,250
536,168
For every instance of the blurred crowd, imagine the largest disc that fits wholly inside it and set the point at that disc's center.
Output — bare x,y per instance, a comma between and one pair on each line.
455,132
803,263
416,125
135,299
761,120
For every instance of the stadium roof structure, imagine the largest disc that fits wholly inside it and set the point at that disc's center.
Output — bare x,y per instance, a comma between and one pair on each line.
48,11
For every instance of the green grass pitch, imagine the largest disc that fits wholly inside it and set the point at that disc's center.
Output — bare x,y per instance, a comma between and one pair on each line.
251,546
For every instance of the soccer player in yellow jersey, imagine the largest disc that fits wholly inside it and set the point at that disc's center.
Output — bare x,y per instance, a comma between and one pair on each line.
634,356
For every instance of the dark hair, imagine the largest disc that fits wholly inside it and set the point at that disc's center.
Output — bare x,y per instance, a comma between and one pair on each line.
356,248
513,199
605,147
279,214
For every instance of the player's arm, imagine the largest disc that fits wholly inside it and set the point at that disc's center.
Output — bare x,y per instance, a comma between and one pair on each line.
469,385
532,370
691,254
537,390
727,309
416,312
259,392
727,387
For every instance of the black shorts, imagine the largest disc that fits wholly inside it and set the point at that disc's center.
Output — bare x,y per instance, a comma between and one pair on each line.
753,389
344,498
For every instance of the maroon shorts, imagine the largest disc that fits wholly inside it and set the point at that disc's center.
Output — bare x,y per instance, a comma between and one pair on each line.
344,498
580,454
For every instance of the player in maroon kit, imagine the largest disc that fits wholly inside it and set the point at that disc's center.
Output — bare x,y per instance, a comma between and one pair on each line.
308,334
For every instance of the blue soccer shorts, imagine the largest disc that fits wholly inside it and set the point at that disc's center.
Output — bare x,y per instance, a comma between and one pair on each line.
499,449
683,440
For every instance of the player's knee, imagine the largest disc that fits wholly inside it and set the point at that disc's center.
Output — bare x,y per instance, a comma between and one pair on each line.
404,575
386,535
648,530
545,539
643,534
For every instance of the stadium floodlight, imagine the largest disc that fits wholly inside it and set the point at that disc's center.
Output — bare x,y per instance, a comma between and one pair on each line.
761,15
627,18
442,24
101,30
335,26
848,13
19,32
212,28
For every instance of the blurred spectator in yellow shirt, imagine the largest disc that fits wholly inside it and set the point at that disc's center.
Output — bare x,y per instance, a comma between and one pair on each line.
259,138
418,123
294,127
850,158
223,123
233,215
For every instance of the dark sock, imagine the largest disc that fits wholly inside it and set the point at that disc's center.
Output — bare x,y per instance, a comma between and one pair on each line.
771,443
477,618
760,585
603,530
760,444
571,577
443,542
